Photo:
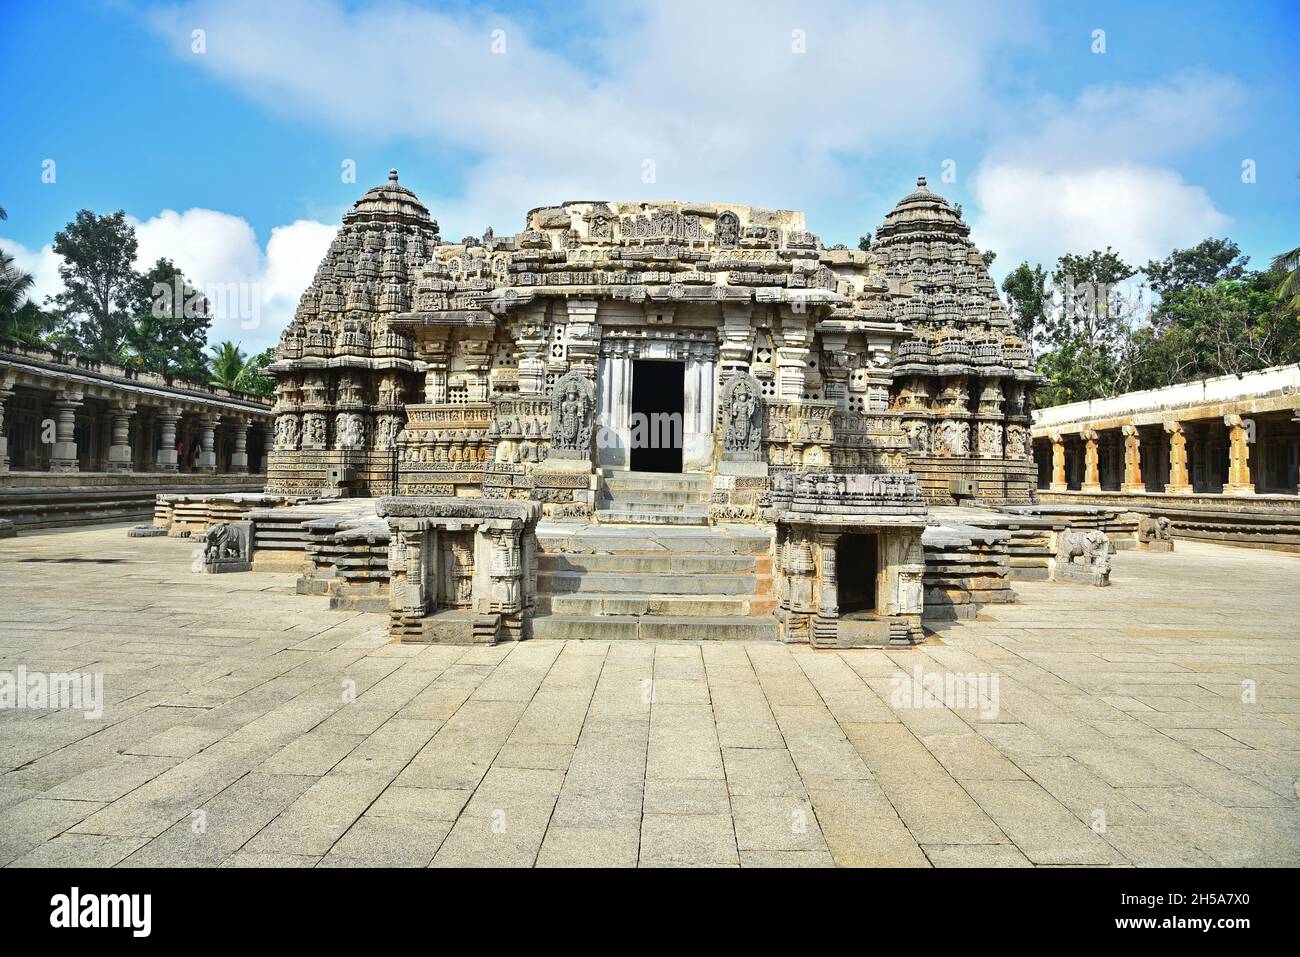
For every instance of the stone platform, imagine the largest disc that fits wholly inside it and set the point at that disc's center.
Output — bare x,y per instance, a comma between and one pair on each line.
1119,737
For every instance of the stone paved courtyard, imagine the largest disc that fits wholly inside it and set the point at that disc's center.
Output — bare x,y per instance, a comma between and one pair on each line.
245,725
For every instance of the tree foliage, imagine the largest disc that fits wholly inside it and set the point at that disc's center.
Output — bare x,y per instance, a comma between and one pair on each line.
100,284
233,369
21,318
1210,316
171,323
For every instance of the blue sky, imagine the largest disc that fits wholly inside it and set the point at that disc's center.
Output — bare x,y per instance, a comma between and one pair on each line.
231,159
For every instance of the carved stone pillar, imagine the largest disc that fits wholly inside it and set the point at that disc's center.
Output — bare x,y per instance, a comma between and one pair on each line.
120,458
792,357
583,335
1179,483
531,346
828,605
1059,482
239,457
1091,475
1239,482
435,382
167,419
64,456
798,568
207,443
736,343
1132,461
6,391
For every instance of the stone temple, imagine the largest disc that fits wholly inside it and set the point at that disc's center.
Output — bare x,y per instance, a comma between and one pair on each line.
652,415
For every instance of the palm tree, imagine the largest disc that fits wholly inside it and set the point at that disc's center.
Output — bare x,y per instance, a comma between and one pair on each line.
1288,291
20,318
14,285
228,362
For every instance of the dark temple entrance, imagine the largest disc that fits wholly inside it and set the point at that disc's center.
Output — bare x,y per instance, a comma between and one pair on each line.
855,567
658,401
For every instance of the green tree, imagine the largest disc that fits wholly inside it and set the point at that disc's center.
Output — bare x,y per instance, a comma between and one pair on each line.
1026,292
227,364
1287,266
171,323
95,310
864,243
1204,264
988,256
253,377
1088,348
21,319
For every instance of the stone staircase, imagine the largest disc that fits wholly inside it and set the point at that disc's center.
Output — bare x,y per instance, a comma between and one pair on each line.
653,498
630,582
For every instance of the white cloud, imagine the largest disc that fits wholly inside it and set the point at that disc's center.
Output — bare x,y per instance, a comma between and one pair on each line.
43,264
1141,211
1097,172
253,292
712,93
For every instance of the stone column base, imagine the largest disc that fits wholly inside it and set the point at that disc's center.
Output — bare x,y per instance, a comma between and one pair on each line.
64,457
1090,487
1058,487
1130,488
1239,489
1178,490
119,458
239,463
4,453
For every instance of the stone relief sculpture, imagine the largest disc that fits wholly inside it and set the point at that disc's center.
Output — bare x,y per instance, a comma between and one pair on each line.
286,432
990,439
351,431
1017,441
742,415
572,416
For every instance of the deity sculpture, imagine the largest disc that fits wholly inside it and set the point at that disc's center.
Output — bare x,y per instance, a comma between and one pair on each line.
572,414
742,415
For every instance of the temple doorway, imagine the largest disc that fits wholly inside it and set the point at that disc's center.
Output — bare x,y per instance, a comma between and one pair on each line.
856,566
658,404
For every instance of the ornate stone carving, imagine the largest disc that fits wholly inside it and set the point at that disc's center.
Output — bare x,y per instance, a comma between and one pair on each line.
573,409
1083,556
350,430
742,417
227,547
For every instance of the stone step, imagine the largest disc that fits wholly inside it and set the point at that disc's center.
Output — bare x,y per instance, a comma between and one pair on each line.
666,481
664,540
568,583
673,606
654,563
621,627
669,508
638,516
649,496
